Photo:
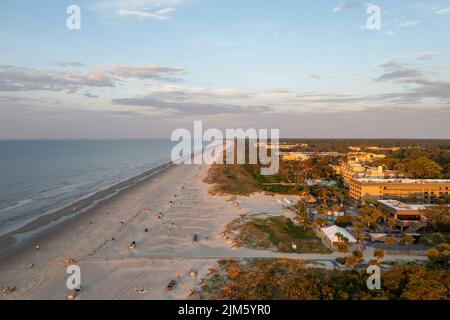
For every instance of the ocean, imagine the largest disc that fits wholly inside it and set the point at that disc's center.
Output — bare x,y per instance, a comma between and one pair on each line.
40,177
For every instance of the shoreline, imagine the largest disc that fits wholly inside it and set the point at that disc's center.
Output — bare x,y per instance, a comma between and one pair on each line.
51,221
99,242
164,250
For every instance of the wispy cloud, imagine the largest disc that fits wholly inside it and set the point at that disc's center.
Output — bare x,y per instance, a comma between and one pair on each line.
145,15
315,75
153,71
67,64
418,84
90,95
344,5
13,78
401,73
183,108
281,90
408,24
138,9
441,10
17,78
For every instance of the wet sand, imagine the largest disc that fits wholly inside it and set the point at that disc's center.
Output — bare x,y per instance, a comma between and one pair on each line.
99,240
47,223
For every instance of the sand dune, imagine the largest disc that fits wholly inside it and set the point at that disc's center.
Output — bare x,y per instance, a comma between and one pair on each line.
99,240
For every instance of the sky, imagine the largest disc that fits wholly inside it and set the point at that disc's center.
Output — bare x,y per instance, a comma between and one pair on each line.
142,68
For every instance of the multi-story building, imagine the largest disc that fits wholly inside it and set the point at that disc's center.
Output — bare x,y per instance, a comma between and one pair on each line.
427,190
355,169
407,217
383,148
281,146
364,156
293,156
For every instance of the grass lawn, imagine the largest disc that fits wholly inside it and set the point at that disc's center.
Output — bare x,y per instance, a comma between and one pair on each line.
278,234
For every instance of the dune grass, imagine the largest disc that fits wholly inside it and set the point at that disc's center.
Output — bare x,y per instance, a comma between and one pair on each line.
236,179
277,234
231,179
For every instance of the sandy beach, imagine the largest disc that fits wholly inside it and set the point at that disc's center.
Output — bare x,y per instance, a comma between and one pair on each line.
99,240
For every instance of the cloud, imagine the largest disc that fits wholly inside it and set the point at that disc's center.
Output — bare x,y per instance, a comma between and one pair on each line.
414,87
10,99
417,83
280,90
442,10
427,55
408,24
180,92
14,78
396,67
90,95
151,71
144,15
321,74
344,5
394,62
138,9
189,108
315,75
391,33
66,64
401,73
165,11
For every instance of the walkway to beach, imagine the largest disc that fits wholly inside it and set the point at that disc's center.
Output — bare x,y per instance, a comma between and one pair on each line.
164,248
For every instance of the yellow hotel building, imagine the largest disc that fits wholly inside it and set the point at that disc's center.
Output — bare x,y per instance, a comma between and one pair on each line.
423,189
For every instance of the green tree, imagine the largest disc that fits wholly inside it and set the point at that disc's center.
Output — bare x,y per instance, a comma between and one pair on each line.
358,255
433,254
342,247
409,240
439,217
424,289
391,224
423,168
378,254
440,254
343,221
351,261
389,241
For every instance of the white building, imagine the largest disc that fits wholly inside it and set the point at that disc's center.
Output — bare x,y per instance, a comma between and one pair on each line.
330,234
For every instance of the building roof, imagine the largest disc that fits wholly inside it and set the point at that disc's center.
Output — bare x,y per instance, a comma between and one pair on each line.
399,206
330,233
405,181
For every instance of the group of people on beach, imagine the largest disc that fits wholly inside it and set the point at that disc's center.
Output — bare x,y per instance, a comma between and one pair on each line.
7,290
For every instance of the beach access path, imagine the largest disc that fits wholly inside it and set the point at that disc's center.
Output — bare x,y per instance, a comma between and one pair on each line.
99,241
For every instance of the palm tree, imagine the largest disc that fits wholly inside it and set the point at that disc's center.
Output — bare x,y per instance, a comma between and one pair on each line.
391,223
389,241
409,240
378,254
351,261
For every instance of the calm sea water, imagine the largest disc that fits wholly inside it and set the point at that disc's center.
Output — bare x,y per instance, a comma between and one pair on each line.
37,177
